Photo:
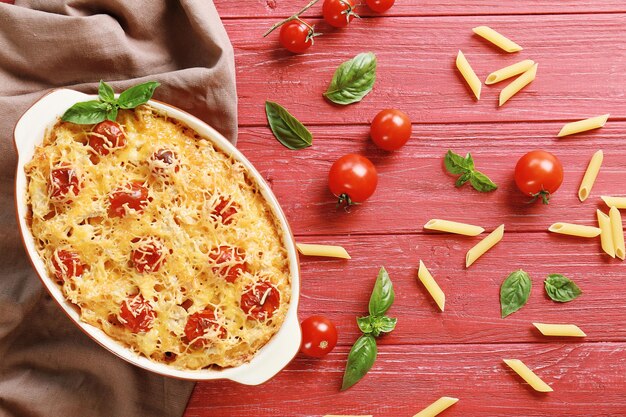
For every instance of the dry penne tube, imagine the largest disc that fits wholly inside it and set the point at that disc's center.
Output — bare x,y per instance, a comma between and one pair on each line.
468,74
484,245
453,227
437,407
563,330
583,125
497,39
520,82
431,285
606,237
590,175
329,251
619,202
575,230
618,232
527,375
510,71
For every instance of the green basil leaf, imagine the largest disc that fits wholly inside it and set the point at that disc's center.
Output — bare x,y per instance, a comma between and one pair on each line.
353,80
360,360
137,95
456,164
481,182
105,92
286,128
112,113
514,292
382,295
463,179
561,288
383,324
469,161
365,324
86,112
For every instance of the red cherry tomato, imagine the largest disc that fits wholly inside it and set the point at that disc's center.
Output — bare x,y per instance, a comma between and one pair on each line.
539,174
148,255
260,301
163,160
225,210
133,196
338,13
296,36
107,136
63,181
380,6
319,336
390,129
66,265
352,178
136,314
201,327
229,262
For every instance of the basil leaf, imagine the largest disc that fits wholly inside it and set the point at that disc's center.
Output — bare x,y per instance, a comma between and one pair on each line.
383,324
365,324
382,295
286,128
481,182
514,292
456,164
105,92
112,113
360,360
86,112
469,161
353,80
561,288
137,95
463,179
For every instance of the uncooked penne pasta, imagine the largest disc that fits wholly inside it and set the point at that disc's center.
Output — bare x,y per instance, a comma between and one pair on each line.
497,39
510,71
431,285
606,237
590,175
520,82
583,125
437,407
468,74
529,376
618,232
563,330
575,230
329,251
453,227
484,245
619,202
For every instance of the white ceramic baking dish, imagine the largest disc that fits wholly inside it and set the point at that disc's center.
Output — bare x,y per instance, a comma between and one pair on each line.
269,360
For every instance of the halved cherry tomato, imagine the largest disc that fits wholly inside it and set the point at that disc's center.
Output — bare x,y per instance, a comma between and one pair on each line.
260,300
201,327
539,174
380,6
107,136
390,129
66,264
63,180
133,196
229,262
225,210
319,336
148,255
163,160
353,179
136,314
296,36
338,13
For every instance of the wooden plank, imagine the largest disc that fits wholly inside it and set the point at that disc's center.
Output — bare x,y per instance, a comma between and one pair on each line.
580,69
414,186
588,380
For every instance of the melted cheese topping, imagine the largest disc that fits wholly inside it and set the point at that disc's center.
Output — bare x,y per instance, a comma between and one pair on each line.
180,215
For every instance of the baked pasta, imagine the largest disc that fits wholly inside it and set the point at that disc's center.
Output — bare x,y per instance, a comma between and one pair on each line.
159,239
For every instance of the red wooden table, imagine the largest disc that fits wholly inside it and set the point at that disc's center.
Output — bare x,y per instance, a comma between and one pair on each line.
581,51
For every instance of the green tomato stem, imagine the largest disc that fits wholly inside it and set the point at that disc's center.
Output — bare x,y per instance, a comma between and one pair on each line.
294,17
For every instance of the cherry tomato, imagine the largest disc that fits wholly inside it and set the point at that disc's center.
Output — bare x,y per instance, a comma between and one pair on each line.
136,314
133,196
107,136
390,129
353,179
260,301
319,336
539,174
338,13
229,262
66,264
380,6
296,36
201,327
148,255
225,210
63,180
164,160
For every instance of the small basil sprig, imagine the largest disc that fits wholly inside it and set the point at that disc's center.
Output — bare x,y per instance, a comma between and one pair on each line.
457,165
286,128
363,353
353,80
561,288
514,292
106,107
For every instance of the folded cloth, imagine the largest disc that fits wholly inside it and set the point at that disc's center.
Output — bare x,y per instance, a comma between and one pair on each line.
47,366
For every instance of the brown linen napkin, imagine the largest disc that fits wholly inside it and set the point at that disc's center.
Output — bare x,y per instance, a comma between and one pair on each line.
47,366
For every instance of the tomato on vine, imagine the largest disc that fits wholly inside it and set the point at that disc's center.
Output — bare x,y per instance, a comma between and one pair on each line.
296,35
339,13
380,6
352,179
539,174
319,336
